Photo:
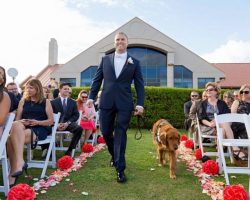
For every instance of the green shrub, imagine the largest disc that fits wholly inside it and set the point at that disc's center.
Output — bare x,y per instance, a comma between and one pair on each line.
159,103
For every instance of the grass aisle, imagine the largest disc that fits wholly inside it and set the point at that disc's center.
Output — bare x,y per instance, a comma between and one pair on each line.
98,179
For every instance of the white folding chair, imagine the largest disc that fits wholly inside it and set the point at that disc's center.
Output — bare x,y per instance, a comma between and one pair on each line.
52,150
201,137
93,140
227,118
67,134
3,155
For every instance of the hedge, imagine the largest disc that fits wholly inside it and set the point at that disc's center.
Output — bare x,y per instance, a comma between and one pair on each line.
159,103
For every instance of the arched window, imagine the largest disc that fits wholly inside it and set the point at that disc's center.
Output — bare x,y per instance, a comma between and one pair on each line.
183,77
87,75
153,63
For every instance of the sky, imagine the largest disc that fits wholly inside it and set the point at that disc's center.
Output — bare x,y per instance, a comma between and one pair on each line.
216,30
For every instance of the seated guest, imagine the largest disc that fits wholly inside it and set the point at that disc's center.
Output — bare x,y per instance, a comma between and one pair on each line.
33,123
12,87
47,93
88,114
4,100
241,106
236,95
69,115
193,96
192,115
228,98
56,89
206,115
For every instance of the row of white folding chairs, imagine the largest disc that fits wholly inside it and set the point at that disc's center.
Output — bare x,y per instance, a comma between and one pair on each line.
31,163
223,142
3,155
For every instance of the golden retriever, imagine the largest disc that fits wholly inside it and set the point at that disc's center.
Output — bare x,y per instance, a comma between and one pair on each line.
167,139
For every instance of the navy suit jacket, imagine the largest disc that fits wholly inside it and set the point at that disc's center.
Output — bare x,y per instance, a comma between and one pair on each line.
117,91
71,114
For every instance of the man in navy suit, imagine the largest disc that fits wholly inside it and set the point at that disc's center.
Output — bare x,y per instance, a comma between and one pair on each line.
69,115
117,71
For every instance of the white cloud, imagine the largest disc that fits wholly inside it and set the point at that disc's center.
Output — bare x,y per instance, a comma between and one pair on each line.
28,25
234,51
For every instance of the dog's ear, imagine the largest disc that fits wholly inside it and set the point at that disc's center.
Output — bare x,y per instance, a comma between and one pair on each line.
164,138
167,128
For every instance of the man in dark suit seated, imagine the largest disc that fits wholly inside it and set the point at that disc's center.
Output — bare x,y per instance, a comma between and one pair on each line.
193,96
117,71
69,115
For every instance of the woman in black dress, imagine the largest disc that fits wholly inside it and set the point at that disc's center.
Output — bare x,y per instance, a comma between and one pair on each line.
33,122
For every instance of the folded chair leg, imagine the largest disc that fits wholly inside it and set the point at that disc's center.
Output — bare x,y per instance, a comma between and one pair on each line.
46,161
54,155
5,175
73,153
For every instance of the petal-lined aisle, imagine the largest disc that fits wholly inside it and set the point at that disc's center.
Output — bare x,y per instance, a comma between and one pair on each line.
209,186
57,176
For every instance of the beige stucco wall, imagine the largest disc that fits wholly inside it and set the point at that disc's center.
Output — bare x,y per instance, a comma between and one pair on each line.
142,34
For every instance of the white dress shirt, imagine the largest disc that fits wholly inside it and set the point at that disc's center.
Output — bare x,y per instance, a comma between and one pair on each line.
119,62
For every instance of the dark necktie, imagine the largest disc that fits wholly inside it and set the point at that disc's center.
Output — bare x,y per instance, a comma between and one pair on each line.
64,105
64,111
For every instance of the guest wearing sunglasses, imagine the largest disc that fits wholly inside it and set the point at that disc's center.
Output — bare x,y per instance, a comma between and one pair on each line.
193,97
210,106
241,106
192,115
206,116
88,114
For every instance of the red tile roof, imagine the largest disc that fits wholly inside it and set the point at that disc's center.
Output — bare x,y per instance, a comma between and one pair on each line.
44,75
236,74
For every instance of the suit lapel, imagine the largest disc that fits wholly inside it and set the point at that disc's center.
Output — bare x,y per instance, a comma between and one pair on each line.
112,61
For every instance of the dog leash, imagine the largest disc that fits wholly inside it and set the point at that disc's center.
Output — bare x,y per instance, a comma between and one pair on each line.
138,133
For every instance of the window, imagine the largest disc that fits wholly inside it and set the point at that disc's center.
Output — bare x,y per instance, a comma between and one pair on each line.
153,64
71,81
87,75
183,77
203,81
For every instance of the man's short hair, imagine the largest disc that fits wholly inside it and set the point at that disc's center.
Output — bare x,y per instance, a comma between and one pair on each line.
11,83
64,84
122,33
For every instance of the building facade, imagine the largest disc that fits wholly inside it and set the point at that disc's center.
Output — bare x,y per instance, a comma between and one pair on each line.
165,63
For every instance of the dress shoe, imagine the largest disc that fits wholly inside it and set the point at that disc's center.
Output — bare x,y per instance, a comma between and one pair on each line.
19,173
111,163
68,153
121,177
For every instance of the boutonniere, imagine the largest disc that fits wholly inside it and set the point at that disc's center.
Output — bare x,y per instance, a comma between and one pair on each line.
130,61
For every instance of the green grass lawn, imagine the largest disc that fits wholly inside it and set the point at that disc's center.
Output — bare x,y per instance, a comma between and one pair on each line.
99,179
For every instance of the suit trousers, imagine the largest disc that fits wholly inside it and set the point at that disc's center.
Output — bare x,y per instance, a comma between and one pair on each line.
77,133
114,124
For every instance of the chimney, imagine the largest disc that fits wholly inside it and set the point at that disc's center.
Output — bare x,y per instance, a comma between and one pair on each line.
53,52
